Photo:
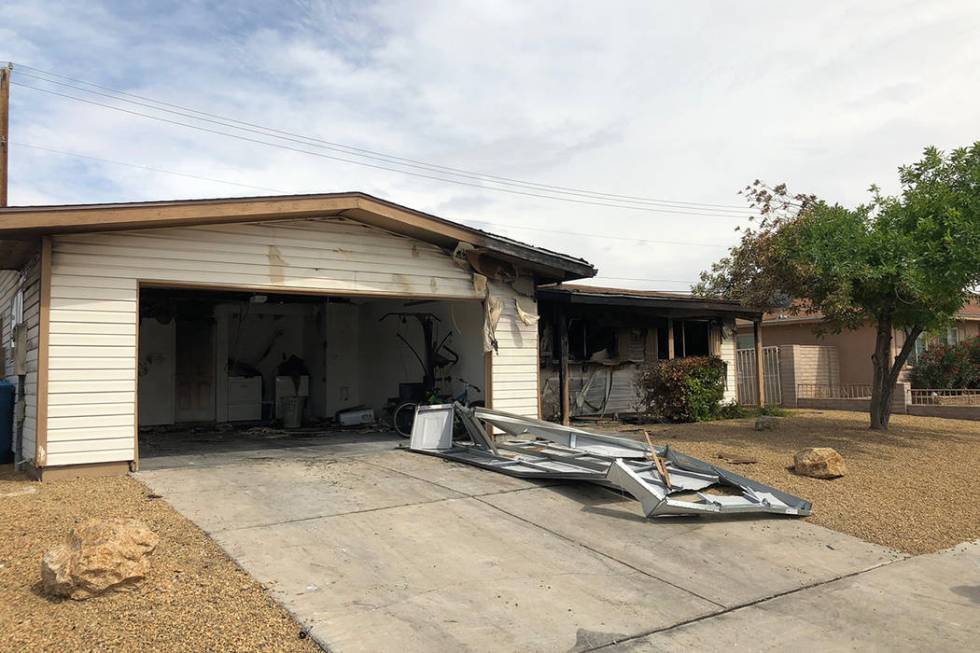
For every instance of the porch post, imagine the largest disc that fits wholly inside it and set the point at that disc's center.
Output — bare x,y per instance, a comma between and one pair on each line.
760,378
670,338
563,374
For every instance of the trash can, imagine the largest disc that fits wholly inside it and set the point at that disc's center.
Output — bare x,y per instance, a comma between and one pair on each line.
7,394
292,411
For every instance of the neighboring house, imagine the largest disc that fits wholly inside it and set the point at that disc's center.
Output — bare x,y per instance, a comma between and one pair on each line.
853,348
612,332
118,316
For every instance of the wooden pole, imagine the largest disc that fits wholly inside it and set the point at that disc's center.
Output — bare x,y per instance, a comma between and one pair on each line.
670,338
4,129
564,378
760,378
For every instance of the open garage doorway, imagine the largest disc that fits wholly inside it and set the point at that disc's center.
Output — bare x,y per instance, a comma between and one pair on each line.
231,373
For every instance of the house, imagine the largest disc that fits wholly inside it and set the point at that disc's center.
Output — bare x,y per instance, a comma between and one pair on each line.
116,318
850,356
594,340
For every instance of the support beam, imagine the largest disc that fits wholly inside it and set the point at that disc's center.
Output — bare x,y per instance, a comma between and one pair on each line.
670,338
564,378
760,378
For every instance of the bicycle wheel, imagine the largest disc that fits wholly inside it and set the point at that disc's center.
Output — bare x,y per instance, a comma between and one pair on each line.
403,418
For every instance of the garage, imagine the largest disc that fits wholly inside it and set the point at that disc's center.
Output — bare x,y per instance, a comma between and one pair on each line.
233,370
157,319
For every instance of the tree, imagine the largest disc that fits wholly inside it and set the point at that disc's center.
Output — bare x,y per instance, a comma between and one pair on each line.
906,262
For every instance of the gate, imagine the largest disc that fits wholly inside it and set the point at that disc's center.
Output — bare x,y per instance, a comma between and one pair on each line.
747,388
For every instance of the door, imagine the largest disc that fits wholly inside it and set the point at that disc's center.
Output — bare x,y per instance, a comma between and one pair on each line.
195,370
156,372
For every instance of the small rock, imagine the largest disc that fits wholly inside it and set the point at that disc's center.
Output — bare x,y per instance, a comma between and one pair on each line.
98,556
766,423
819,462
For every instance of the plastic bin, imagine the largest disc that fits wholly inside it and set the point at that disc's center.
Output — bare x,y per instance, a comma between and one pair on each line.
7,395
291,410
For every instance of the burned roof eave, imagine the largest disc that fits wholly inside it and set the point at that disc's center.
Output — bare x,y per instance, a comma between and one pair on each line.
33,221
684,304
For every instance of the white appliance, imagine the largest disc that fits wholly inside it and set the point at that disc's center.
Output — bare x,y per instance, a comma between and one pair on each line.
244,398
288,386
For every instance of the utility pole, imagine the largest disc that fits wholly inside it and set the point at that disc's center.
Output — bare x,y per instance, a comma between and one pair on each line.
4,129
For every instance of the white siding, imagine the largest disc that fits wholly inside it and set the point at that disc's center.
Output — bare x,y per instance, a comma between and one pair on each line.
515,364
728,355
9,285
92,362
9,280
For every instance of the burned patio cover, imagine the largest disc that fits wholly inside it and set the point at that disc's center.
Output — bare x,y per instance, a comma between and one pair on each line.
539,449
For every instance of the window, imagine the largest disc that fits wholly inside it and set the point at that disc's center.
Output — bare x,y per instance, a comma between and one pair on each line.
587,338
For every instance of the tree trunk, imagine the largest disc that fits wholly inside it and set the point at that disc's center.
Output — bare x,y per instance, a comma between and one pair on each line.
881,359
887,371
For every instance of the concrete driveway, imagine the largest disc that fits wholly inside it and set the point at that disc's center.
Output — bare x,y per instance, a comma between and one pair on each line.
378,549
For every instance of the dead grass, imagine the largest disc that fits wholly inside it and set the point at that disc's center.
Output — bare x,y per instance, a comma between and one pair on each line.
914,487
195,599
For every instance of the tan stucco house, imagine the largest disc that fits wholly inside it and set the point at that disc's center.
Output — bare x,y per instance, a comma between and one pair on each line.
853,348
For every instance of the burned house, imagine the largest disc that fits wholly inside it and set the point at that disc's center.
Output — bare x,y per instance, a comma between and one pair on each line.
594,340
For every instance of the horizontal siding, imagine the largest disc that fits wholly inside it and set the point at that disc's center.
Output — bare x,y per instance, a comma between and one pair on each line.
515,363
94,305
727,354
9,281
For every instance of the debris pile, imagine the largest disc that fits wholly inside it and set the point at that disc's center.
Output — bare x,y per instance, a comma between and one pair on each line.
665,481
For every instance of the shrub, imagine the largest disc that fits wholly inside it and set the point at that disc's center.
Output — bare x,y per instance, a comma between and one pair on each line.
733,410
683,389
948,366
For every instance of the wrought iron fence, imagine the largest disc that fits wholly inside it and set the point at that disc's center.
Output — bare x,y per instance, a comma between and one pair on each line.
748,384
828,391
945,397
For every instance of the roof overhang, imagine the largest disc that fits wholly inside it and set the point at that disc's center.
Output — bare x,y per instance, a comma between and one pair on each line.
668,304
26,224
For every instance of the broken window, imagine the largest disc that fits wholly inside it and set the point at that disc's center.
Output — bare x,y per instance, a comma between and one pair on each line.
587,339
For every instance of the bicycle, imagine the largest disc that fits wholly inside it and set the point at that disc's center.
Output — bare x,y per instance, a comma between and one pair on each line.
404,416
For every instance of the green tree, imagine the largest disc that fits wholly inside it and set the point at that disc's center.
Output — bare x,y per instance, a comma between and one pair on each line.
906,262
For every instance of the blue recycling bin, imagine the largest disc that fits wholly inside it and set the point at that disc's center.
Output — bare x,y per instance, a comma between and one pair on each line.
7,392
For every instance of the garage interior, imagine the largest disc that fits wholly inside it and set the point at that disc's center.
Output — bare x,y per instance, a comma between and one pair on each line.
232,371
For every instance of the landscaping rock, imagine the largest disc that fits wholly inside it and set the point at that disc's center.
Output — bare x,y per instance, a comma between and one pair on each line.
819,462
99,555
766,423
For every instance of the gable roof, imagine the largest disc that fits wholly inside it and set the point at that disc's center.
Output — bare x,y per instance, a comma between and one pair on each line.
22,226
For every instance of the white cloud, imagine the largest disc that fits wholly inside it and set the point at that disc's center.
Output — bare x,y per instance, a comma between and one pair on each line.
680,101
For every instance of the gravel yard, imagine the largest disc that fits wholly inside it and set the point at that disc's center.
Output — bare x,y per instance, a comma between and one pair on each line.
914,488
195,599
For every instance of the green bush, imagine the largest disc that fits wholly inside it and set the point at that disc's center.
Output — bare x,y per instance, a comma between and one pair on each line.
948,366
683,389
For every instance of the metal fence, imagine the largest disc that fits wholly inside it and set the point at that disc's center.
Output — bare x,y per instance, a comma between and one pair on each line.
945,397
748,386
827,391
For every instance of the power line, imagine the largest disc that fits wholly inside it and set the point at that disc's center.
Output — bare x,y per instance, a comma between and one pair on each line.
371,154
279,190
149,168
365,164
602,236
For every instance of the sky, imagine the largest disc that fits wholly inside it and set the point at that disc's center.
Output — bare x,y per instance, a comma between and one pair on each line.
683,104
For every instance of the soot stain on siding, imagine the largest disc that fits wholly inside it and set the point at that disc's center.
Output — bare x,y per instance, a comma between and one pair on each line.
276,265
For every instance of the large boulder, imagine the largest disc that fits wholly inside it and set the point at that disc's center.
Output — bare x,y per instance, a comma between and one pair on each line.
819,462
98,556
